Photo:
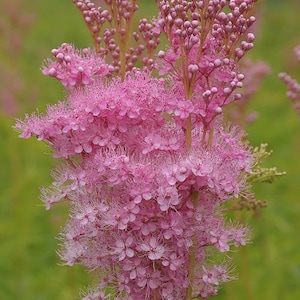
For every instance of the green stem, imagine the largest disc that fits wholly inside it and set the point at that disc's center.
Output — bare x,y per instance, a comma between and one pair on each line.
123,37
188,133
155,294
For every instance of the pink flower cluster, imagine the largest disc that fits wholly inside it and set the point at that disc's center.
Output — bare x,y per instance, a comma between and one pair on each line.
293,85
74,68
112,40
147,164
131,188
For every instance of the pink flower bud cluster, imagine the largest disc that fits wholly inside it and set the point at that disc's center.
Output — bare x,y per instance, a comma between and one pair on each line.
110,28
74,68
205,53
145,204
293,85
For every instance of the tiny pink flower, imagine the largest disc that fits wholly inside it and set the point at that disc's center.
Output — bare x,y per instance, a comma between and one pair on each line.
153,248
123,248
151,279
168,197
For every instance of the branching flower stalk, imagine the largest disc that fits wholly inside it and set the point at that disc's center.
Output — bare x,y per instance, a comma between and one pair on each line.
123,31
147,163
292,84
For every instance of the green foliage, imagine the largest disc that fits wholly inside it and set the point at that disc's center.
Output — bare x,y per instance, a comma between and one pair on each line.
269,268
260,173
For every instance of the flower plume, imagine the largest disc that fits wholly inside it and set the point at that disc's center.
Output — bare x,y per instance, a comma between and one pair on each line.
147,162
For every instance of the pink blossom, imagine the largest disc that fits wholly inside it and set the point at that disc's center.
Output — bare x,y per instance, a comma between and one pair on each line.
153,248
145,224
135,268
172,227
151,279
168,197
173,261
123,248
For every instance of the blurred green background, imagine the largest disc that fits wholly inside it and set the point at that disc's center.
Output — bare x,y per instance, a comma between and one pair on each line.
268,268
